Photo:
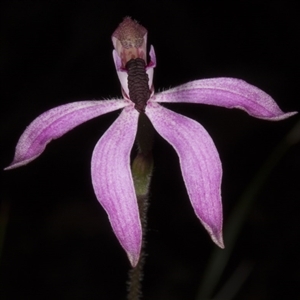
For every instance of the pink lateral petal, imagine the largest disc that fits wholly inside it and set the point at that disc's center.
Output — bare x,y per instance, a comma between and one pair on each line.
226,92
54,123
113,184
200,165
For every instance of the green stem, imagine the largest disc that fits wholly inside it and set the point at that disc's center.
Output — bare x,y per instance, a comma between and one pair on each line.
136,273
142,168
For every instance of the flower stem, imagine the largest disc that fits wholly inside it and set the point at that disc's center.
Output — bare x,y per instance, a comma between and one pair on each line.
141,169
136,273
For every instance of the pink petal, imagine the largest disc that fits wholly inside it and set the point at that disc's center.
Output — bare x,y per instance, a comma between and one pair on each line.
150,68
54,123
113,184
200,165
226,92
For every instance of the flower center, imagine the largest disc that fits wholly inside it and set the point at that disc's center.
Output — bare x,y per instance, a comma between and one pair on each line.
138,83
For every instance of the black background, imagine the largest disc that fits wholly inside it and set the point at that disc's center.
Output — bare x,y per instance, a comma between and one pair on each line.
59,244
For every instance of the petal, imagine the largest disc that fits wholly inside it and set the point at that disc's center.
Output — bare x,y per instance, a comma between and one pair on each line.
226,92
113,184
200,165
150,67
152,63
54,123
121,72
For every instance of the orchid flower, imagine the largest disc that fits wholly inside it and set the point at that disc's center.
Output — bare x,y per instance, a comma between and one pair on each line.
110,166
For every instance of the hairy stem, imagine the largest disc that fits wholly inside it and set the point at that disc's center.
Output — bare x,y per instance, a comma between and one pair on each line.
141,169
136,274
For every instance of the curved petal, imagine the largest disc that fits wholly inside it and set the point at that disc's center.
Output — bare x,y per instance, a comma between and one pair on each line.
200,165
226,92
113,184
54,123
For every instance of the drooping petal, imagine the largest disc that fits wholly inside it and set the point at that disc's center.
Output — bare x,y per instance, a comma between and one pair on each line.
226,92
200,164
113,184
54,123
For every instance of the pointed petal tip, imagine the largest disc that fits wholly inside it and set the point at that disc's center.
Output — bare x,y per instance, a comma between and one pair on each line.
10,167
280,117
18,163
218,239
133,258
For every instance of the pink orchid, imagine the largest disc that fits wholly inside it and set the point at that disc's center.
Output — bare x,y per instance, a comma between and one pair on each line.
110,166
